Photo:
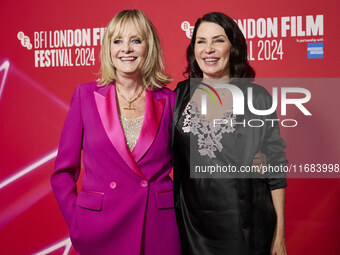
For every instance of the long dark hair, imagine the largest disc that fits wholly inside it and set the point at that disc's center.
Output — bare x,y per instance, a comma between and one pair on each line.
238,62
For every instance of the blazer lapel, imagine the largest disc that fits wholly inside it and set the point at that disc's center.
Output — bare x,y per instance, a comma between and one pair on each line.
108,112
152,118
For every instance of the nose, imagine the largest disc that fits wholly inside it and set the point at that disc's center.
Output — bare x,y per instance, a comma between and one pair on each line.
209,48
126,47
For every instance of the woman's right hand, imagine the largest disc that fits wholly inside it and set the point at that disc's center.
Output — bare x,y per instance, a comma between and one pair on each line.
259,160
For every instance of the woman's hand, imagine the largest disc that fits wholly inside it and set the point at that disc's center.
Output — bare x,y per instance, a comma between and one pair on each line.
259,160
279,241
278,245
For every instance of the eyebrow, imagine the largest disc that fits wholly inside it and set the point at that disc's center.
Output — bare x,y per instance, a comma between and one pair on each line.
216,36
133,36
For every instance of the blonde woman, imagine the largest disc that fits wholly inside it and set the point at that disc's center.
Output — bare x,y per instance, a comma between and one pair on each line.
122,124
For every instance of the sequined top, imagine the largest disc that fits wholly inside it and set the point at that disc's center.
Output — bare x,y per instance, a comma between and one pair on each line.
131,130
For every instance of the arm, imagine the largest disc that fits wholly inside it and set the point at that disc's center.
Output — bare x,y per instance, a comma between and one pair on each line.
67,165
273,147
279,241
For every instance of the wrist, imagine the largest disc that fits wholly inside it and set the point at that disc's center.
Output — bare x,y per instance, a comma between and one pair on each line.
279,233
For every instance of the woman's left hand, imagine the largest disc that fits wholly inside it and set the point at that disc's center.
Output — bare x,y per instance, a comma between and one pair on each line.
278,247
279,240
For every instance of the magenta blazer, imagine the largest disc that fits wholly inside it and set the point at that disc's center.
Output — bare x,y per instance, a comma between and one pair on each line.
126,203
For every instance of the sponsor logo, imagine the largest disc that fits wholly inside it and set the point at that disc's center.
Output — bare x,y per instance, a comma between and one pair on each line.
314,50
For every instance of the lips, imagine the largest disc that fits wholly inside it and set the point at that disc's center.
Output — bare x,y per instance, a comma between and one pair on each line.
128,58
211,60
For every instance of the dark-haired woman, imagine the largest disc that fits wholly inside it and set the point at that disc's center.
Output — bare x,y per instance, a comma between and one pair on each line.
224,215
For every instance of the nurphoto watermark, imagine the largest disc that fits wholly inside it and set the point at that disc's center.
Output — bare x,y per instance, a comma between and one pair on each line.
231,120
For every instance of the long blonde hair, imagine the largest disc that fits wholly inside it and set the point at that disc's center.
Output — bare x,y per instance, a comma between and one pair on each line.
153,71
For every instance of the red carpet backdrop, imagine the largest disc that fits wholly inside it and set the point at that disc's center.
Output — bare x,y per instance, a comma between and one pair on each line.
48,47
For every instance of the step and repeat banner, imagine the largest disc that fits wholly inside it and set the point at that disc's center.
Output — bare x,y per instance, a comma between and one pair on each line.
48,47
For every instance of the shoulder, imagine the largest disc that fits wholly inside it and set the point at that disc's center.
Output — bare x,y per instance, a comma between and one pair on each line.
86,90
182,85
182,88
261,98
258,91
164,93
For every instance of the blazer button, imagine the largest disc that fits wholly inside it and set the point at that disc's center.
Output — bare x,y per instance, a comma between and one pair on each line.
245,225
239,135
242,196
144,184
113,185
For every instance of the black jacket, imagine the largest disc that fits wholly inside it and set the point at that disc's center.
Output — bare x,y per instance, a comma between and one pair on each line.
232,216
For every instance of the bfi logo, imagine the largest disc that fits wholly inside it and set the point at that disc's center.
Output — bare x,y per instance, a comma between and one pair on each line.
187,28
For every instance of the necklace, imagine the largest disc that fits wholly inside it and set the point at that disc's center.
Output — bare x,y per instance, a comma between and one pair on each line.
130,100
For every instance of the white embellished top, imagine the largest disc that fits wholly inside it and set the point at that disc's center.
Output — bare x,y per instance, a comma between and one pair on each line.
208,135
131,128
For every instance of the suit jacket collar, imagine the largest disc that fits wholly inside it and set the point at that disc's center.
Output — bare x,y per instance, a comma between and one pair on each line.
105,99
152,118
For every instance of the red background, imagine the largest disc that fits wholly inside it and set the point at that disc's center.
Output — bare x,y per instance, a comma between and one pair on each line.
35,100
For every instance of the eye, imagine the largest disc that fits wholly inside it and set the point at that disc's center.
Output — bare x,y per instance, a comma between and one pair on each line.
220,41
136,41
200,41
117,41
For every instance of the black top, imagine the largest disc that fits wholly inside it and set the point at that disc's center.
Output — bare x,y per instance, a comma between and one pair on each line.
233,216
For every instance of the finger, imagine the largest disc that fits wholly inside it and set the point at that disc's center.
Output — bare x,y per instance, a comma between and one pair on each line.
257,162
259,168
258,156
259,153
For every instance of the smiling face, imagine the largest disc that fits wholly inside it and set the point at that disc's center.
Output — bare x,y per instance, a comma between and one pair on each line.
212,50
128,51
